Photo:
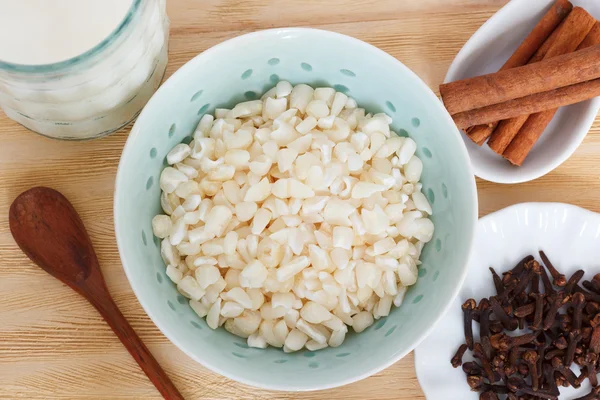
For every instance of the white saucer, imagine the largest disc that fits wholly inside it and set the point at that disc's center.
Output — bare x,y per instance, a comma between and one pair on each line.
569,235
486,51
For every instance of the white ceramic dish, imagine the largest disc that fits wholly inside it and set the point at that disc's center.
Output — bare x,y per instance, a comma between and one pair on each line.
486,52
569,236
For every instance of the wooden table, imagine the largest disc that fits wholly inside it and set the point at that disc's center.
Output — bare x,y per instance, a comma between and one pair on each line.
54,345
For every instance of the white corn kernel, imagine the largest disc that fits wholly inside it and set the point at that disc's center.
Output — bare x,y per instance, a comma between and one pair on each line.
161,226
238,295
257,341
170,178
314,313
362,321
286,158
317,109
190,288
290,269
313,345
343,237
199,308
217,219
337,337
273,108
178,153
260,221
206,275
259,192
300,96
212,319
174,274
421,202
231,309
311,331
283,89
253,275
295,340
308,124
339,101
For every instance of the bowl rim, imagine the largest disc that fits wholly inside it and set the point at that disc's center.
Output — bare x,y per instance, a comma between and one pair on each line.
475,42
169,331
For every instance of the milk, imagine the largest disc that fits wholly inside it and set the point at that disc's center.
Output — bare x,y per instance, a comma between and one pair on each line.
48,31
100,91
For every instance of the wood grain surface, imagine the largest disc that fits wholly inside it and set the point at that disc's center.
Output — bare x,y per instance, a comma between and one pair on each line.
54,345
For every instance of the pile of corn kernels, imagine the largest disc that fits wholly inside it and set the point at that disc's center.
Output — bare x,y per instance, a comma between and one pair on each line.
290,218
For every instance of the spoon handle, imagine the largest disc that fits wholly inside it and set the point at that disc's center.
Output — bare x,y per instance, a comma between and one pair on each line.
111,313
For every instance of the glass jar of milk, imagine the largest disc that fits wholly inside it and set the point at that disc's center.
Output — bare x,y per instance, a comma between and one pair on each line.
80,69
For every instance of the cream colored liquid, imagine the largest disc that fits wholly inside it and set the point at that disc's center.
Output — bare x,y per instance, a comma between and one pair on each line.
38,32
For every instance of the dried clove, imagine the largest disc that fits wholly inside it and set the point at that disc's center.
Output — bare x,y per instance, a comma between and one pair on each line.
468,307
471,368
569,375
538,311
496,326
541,354
523,369
592,286
549,378
558,278
592,308
503,342
574,338
590,361
531,358
525,310
489,395
457,359
561,343
578,301
593,395
548,288
475,382
554,353
485,362
518,386
595,339
554,306
522,284
507,321
535,280
497,282
573,280
484,326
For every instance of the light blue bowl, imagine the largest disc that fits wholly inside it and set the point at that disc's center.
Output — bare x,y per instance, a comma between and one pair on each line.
243,68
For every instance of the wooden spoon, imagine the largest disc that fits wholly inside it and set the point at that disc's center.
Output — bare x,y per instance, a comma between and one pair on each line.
49,231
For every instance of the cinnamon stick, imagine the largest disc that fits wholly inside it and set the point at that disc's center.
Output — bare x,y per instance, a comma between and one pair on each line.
520,147
534,42
550,74
529,134
530,105
507,129
592,38
576,27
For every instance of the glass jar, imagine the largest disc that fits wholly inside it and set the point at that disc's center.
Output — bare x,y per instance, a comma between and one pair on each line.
97,92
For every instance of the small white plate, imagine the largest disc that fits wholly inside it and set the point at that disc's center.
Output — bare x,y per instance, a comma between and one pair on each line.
486,51
569,236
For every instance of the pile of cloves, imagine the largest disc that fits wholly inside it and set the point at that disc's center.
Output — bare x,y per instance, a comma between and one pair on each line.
561,321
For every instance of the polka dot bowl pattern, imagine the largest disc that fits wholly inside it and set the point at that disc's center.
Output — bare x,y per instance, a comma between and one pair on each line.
243,68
